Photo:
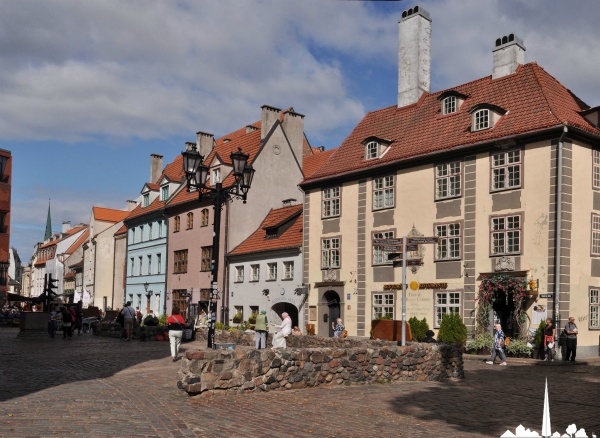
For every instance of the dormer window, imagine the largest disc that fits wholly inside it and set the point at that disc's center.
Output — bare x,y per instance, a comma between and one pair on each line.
449,105
485,116
146,200
451,101
215,176
164,193
372,150
375,147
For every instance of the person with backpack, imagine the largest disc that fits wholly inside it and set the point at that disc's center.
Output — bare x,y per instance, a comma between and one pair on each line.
498,347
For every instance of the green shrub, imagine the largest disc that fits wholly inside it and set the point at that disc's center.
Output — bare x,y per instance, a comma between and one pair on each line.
238,317
538,340
452,329
518,348
479,342
162,319
219,326
418,328
252,319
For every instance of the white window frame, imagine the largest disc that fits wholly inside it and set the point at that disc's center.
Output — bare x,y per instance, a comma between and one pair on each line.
594,301
239,274
159,263
254,272
506,234
448,178
215,176
149,263
380,257
383,192
449,105
383,304
595,251
271,271
164,193
288,270
140,263
507,170
596,169
330,253
445,302
145,200
150,231
331,202
448,246
372,150
482,119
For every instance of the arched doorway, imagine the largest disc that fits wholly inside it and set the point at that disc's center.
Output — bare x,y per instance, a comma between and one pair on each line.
333,304
291,310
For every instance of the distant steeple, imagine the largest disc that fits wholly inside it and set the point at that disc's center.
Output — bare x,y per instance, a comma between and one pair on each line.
48,233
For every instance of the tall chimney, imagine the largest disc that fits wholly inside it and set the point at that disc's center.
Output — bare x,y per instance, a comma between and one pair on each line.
131,205
414,55
156,164
293,125
204,143
509,53
269,116
66,226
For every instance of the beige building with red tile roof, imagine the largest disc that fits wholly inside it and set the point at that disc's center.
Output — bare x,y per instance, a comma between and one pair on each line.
504,170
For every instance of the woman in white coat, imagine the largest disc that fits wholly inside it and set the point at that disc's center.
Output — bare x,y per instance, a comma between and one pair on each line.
284,330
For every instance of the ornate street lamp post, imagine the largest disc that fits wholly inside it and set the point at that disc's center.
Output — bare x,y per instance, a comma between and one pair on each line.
196,173
149,293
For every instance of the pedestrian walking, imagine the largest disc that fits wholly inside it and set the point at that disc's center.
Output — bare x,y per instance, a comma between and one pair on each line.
260,329
67,321
175,324
498,347
571,332
549,336
128,317
285,329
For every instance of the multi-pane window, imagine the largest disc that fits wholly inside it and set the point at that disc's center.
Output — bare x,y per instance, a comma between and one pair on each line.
131,266
506,170
176,224
447,180
190,221
180,259
206,263
239,274
150,231
272,271
594,309
180,300
596,235
216,176
446,303
330,253
383,192
146,200
596,168
161,224
380,256
254,272
204,219
164,193
481,119
448,245
159,263
383,306
449,105
372,150
140,265
149,264
288,270
505,234
331,202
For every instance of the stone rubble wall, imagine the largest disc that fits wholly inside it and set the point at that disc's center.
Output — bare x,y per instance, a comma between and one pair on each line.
246,369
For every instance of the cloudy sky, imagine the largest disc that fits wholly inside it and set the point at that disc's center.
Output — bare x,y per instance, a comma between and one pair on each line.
89,89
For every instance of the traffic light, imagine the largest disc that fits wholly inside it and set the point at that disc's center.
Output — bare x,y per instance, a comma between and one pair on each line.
51,286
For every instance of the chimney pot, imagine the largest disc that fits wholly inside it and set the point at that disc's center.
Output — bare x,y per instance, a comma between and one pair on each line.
509,53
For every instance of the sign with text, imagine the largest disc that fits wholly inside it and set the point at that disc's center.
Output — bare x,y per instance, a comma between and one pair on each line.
546,295
419,240
399,248
387,242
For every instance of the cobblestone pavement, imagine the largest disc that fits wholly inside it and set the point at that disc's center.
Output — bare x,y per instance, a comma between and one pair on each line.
91,386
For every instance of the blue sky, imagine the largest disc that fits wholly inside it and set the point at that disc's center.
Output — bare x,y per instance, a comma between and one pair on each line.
89,89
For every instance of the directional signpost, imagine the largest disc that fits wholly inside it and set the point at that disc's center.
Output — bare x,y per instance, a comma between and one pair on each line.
405,244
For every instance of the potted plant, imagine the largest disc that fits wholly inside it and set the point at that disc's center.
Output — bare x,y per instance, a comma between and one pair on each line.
237,318
481,344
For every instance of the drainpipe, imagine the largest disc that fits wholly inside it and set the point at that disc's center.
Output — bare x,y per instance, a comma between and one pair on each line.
558,237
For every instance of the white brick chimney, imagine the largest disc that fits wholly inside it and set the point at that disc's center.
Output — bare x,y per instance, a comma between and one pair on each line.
293,125
204,143
66,226
156,165
131,205
509,53
269,116
414,55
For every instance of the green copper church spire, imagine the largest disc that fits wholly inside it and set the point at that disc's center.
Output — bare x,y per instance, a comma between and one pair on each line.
48,233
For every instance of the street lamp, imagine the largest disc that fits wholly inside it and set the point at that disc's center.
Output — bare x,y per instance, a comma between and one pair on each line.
196,173
149,293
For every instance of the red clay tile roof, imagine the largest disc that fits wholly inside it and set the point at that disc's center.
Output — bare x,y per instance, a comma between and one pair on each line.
290,238
67,234
153,186
84,236
108,214
121,230
311,163
534,101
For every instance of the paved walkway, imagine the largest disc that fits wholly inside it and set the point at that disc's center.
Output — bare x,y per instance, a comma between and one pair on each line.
102,387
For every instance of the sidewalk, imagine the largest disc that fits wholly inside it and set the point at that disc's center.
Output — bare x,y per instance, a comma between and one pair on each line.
103,387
